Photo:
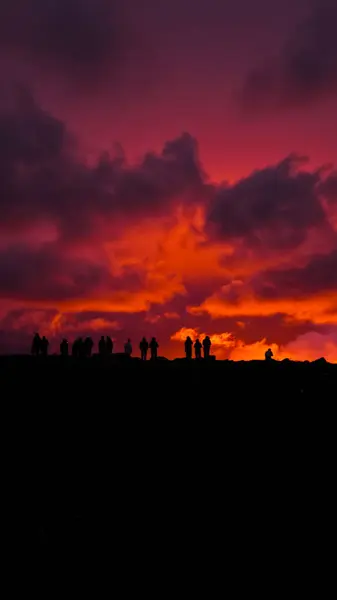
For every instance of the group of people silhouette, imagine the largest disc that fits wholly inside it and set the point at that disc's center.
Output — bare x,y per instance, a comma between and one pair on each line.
82,348
39,345
205,345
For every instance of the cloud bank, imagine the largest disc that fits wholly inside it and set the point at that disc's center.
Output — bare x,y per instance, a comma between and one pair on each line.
155,244
305,70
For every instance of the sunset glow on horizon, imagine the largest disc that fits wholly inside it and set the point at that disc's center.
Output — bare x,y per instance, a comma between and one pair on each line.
169,169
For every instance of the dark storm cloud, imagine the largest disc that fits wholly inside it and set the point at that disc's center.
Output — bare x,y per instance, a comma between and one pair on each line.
81,39
328,189
41,177
28,135
306,69
319,275
27,320
173,173
46,273
42,274
273,207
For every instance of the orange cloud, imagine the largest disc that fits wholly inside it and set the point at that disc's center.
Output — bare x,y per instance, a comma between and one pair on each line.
319,309
124,301
169,247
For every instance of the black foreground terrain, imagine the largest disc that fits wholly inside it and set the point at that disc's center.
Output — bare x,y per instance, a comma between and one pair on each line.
120,459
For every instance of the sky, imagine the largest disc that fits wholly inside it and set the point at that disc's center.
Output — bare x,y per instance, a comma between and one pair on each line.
168,168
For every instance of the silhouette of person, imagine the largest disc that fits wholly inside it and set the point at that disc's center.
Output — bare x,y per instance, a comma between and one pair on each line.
143,346
269,354
154,348
81,347
109,345
207,346
36,345
44,346
64,348
75,349
88,346
128,347
102,346
197,348
188,347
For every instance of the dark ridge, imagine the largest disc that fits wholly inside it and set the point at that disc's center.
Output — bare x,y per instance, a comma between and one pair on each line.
149,465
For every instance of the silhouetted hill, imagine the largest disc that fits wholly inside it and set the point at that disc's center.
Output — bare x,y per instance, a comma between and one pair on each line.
118,377
155,461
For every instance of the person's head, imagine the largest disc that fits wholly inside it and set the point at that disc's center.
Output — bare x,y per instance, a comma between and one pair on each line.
102,337
129,340
188,339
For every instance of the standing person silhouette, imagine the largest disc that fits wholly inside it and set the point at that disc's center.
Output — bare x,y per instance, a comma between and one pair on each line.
75,351
197,348
102,346
188,347
44,346
81,347
128,347
143,346
64,348
207,346
269,354
154,348
36,345
109,345
88,344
